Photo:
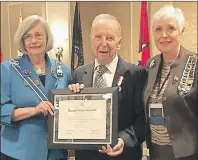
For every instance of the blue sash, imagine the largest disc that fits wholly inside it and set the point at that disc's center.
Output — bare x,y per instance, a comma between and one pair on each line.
28,80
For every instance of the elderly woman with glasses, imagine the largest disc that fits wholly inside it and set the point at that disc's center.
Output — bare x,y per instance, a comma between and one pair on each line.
25,85
170,96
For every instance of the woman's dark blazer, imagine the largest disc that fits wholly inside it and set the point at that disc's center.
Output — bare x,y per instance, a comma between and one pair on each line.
181,112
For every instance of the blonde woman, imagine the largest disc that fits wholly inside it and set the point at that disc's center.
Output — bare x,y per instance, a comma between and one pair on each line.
24,94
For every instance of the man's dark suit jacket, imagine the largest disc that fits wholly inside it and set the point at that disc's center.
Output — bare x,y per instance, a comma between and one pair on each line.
131,118
181,112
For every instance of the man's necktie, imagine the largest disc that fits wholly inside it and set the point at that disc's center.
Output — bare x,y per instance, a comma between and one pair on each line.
99,81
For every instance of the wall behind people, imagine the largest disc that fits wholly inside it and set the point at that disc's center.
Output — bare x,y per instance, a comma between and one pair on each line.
55,13
189,37
121,10
10,21
127,13
4,32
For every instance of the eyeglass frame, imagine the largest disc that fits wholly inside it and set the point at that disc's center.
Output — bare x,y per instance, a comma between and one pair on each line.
29,37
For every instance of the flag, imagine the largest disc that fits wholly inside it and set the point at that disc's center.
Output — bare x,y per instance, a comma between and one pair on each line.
19,53
144,49
77,58
1,56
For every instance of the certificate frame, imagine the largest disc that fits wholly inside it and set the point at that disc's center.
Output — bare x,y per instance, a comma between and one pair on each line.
58,96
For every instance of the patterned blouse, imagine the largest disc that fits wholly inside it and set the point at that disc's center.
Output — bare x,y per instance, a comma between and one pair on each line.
160,134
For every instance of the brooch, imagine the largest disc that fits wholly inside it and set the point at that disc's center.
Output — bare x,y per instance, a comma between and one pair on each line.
175,79
152,64
27,72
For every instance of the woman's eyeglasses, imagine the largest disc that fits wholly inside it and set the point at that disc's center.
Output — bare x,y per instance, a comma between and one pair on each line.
29,37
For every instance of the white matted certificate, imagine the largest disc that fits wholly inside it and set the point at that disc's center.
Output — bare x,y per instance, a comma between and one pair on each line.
82,116
86,120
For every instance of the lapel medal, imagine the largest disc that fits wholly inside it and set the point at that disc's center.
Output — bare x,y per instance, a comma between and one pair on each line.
59,70
119,82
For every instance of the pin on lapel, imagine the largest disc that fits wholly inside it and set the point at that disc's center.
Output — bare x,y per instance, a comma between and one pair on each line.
175,79
27,72
52,70
53,73
152,64
119,82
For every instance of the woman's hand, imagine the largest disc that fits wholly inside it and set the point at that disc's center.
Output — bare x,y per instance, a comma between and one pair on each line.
44,107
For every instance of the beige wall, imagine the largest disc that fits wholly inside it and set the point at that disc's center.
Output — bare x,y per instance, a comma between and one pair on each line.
89,10
10,12
10,21
4,32
127,13
189,37
62,16
13,18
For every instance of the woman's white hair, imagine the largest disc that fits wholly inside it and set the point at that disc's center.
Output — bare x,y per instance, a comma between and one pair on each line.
170,12
25,26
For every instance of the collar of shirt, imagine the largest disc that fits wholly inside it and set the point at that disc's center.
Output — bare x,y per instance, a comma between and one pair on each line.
111,66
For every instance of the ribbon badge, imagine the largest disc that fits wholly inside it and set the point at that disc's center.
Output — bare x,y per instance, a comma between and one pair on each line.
119,82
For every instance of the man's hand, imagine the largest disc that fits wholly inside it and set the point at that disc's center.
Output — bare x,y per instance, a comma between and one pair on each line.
117,149
76,87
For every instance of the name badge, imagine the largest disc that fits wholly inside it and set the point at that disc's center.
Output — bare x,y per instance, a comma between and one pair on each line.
35,81
156,114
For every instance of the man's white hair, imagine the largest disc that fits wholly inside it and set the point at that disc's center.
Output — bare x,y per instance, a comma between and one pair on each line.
170,12
107,17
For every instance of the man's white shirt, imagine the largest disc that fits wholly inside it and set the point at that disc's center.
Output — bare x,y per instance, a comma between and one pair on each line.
109,75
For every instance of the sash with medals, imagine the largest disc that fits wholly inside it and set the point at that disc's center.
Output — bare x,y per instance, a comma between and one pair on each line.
28,80
188,76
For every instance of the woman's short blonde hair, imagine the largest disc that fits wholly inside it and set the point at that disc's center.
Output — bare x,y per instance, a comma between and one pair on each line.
170,12
25,26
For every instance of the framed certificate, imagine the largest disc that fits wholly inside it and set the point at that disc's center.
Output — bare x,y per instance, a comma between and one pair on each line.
86,120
